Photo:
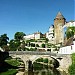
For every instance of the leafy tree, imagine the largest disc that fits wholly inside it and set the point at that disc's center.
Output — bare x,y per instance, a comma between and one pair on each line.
46,40
5,48
43,45
22,46
45,60
3,40
70,32
19,35
14,45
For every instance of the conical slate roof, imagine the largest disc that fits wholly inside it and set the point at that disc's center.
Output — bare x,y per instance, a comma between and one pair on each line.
59,15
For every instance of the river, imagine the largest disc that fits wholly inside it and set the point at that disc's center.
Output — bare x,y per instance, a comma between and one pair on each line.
44,70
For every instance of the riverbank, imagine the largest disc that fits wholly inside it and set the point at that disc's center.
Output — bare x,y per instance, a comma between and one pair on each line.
9,67
71,69
20,73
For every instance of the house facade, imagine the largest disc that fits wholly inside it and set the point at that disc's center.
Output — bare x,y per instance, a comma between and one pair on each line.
50,34
35,36
67,49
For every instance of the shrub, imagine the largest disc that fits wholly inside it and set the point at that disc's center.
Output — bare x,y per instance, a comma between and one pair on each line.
43,45
45,60
37,45
39,60
32,45
72,67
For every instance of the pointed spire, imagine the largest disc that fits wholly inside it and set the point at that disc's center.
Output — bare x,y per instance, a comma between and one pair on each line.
59,15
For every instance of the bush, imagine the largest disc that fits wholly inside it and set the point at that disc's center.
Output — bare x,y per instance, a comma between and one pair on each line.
39,60
72,67
37,66
37,45
32,45
43,45
45,60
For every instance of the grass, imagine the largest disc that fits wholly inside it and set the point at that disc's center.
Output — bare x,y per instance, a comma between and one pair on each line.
13,62
9,72
10,67
72,67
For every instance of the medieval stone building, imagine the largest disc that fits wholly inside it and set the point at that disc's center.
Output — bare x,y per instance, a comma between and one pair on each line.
56,33
59,22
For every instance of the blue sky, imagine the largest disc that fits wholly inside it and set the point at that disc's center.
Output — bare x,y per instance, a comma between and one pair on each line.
30,16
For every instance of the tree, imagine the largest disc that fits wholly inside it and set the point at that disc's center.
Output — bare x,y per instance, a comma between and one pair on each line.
45,60
46,40
3,40
43,45
19,35
70,32
14,45
5,48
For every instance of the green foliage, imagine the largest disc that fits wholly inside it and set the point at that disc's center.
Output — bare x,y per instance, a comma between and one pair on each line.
45,60
39,60
32,44
37,45
19,35
43,45
46,40
49,50
14,44
31,40
3,40
73,58
13,62
37,66
70,32
32,49
72,67
27,49
9,72
5,47
49,45
50,62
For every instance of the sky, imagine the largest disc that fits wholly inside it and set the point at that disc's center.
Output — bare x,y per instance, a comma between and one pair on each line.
31,16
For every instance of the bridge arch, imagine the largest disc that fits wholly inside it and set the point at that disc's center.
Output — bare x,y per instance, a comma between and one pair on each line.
56,63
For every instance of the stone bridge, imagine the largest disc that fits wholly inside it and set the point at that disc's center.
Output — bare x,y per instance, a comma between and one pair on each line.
64,60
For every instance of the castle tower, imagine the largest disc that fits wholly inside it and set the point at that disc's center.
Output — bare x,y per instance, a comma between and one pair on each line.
59,22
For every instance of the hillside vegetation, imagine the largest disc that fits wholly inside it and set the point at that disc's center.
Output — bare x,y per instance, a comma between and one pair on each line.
72,67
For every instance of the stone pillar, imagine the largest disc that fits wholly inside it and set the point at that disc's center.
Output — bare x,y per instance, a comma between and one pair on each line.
26,65
30,66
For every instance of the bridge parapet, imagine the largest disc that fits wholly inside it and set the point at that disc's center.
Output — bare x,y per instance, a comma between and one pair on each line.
32,53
